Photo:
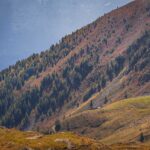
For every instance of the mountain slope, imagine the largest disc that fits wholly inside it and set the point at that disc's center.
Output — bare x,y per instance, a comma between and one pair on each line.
119,122
118,132
108,58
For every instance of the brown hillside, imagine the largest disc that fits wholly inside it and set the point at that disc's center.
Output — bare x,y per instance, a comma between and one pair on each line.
126,24
104,61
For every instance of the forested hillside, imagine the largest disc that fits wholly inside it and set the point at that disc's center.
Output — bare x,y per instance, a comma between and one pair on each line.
111,54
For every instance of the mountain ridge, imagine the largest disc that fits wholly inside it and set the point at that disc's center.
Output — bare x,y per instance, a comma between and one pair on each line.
103,58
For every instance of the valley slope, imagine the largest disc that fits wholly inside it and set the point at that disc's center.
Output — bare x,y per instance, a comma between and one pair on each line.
119,122
116,126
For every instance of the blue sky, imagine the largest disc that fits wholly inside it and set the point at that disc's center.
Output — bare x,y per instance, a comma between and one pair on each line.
31,26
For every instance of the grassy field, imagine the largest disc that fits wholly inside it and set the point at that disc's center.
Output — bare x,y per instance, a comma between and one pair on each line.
119,122
11,139
117,126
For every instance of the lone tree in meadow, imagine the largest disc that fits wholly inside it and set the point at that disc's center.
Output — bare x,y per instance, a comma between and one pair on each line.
57,126
105,100
91,105
125,95
141,137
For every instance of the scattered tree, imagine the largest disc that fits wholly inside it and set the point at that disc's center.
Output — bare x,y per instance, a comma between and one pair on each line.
57,125
105,100
141,137
91,104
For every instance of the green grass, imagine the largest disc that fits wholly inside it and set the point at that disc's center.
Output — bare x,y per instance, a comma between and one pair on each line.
11,139
139,102
122,121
